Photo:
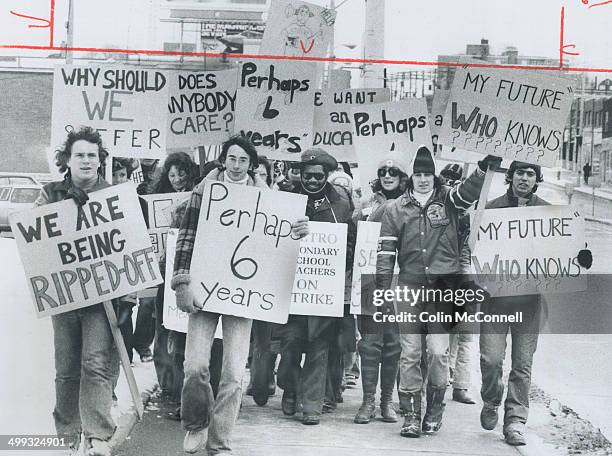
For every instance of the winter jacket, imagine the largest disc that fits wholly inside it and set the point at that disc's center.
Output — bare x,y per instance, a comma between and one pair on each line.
426,239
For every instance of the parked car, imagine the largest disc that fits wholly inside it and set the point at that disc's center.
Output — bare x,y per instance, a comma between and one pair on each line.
14,199
10,179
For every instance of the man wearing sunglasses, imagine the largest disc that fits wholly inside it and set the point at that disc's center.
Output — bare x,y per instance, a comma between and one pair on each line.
322,339
421,228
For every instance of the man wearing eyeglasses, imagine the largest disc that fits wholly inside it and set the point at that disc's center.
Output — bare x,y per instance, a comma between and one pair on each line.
422,228
316,336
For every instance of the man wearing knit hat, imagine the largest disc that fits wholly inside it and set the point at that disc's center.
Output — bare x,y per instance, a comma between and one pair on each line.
421,228
316,336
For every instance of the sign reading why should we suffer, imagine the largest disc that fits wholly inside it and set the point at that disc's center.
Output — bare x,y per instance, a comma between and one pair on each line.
126,105
379,128
201,107
332,121
297,29
77,256
518,115
248,231
274,106
364,265
528,250
319,277
159,211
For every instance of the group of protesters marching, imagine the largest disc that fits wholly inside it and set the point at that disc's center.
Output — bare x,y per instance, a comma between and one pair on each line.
424,230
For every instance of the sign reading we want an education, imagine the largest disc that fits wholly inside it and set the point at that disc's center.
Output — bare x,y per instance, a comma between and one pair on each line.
77,256
126,105
244,255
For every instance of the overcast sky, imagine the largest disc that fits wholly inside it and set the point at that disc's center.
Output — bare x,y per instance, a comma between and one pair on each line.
415,30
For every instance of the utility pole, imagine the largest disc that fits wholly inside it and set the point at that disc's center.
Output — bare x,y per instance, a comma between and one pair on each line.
374,43
70,32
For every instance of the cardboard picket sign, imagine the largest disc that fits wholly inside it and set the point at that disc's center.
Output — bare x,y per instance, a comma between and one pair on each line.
75,256
379,128
274,107
318,288
201,107
297,29
175,319
529,250
518,115
332,126
364,265
159,210
244,253
126,105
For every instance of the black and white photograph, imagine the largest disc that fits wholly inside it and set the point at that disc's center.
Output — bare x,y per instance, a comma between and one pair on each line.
323,227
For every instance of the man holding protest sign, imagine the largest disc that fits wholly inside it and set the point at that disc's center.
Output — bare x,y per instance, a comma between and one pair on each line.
86,361
206,420
422,229
322,373
522,179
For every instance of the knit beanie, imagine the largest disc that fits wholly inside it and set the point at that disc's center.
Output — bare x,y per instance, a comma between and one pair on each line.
423,162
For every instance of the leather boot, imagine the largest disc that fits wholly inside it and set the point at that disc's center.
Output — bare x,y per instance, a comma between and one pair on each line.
435,409
386,407
411,405
367,411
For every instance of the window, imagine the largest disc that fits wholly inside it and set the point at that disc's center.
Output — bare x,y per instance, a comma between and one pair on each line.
4,193
25,195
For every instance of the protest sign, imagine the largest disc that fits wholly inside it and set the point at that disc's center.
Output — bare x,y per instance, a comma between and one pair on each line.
332,129
364,265
274,106
529,250
297,29
319,277
518,115
244,254
379,128
126,105
201,107
159,216
91,253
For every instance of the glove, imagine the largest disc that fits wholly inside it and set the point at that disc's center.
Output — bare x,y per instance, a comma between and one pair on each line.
300,229
78,195
585,258
489,162
184,298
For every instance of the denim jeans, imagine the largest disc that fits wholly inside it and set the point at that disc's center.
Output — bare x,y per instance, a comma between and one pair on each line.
411,377
379,349
460,358
198,407
493,338
86,362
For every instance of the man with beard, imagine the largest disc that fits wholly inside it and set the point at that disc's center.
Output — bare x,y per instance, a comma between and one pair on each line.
313,335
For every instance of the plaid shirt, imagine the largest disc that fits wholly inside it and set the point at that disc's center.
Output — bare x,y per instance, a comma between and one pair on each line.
189,226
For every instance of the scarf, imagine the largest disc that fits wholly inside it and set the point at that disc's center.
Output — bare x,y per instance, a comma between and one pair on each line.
422,198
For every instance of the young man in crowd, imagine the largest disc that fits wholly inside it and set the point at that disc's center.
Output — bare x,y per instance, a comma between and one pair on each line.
315,335
422,229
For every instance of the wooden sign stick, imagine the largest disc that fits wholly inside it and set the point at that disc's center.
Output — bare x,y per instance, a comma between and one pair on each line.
482,202
123,355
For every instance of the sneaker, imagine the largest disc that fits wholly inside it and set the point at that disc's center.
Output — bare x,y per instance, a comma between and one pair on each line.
194,440
488,416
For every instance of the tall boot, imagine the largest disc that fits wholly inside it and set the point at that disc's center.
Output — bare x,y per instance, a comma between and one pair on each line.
411,406
389,367
367,411
386,407
435,409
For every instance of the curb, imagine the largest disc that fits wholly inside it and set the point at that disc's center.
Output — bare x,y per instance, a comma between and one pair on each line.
127,421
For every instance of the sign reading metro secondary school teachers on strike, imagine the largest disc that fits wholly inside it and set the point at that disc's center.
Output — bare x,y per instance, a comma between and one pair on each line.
77,256
319,277
528,250
127,106
247,230
274,106
201,107
379,128
332,122
518,115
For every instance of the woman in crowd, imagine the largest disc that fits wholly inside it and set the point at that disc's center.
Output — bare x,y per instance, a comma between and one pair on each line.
380,343
86,359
